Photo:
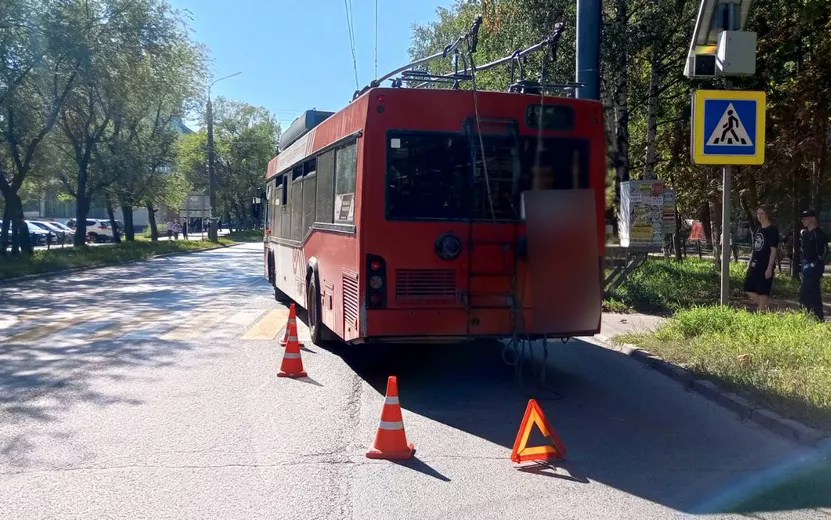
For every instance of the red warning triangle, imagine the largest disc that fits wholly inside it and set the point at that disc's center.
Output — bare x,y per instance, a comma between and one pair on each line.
534,415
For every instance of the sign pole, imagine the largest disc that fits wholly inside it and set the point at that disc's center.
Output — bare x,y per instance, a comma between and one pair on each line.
725,237
727,173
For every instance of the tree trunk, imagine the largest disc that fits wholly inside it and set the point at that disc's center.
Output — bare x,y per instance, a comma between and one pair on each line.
795,223
111,215
622,96
652,118
819,177
129,231
748,203
706,224
81,208
6,227
677,238
154,228
715,224
20,231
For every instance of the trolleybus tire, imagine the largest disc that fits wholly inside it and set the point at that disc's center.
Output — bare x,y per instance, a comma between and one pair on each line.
313,312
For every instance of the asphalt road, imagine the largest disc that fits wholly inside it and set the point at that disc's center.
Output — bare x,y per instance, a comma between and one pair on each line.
149,391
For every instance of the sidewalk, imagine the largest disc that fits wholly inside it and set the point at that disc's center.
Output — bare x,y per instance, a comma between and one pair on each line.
613,324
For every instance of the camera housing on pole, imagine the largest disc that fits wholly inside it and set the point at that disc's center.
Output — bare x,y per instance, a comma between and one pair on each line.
720,46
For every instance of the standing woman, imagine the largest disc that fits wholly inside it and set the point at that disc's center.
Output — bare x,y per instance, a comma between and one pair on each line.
759,278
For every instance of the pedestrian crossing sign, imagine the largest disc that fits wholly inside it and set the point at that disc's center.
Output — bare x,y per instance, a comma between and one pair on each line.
728,127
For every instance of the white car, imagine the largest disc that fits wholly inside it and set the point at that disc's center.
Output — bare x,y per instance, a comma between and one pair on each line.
97,230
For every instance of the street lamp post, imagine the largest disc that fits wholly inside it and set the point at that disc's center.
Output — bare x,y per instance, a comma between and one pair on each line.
212,234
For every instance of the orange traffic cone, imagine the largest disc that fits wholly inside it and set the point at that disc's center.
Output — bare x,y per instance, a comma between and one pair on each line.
391,441
292,365
292,319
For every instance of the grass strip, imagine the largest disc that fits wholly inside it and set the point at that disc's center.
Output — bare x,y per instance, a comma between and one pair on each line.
782,361
88,256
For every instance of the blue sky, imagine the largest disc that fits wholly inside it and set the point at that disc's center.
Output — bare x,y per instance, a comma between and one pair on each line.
295,55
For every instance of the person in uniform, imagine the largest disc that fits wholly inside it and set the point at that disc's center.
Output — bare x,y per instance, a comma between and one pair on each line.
814,247
759,278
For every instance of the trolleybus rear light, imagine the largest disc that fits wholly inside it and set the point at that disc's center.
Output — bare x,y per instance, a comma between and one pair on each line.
376,281
381,98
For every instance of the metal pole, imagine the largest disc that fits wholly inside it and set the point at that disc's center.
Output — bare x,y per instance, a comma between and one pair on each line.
727,172
725,237
212,234
211,175
589,22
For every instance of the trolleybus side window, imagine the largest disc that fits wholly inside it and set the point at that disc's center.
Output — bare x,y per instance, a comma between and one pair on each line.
285,213
309,193
346,168
275,206
325,210
296,204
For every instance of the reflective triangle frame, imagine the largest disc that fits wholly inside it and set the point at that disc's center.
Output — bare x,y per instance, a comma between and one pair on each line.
534,416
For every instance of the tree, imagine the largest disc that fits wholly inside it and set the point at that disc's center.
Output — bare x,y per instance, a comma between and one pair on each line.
38,67
245,140
127,96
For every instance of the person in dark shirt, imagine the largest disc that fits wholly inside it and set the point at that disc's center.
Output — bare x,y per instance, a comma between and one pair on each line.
814,247
759,278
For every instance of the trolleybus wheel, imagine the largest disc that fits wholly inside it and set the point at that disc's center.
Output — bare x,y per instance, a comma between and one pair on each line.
313,311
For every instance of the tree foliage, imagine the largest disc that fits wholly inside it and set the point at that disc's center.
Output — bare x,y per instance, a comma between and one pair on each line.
245,139
91,93
647,98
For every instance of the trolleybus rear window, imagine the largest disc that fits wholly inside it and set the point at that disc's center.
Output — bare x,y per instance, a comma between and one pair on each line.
430,175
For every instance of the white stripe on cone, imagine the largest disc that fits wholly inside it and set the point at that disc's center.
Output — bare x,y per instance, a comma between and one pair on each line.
391,425
391,399
291,355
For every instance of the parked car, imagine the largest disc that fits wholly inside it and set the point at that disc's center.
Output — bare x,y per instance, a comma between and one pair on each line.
69,232
35,226
63,233
96,230
37,236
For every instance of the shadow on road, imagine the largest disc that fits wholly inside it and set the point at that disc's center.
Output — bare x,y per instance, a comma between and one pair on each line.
44,383
624,425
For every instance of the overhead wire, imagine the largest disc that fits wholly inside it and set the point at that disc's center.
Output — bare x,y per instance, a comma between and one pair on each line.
347,4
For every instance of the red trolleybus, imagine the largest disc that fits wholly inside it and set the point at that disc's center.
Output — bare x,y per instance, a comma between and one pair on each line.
400,217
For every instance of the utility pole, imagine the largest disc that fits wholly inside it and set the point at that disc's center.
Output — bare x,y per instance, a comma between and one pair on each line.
589,21
212,234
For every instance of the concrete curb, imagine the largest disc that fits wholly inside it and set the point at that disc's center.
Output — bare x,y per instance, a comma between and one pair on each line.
52,274
746,410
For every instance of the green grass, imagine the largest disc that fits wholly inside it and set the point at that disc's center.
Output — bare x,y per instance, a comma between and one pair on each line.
779,360
665,286
248,235
71,257
614,305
